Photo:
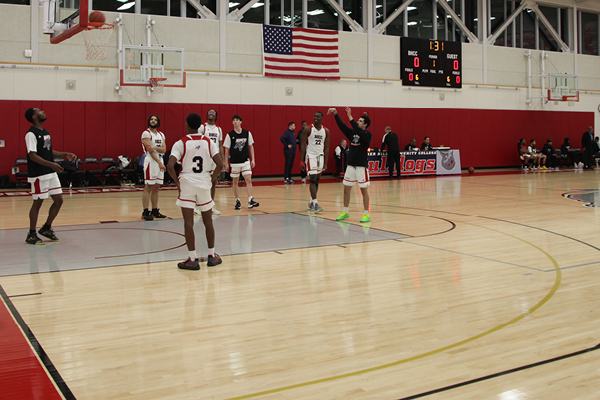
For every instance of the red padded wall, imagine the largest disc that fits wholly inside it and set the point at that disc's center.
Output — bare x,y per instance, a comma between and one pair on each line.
486,138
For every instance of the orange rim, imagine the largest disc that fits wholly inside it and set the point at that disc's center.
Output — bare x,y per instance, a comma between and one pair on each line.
99,25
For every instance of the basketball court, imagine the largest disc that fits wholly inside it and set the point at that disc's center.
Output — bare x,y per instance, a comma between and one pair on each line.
474,286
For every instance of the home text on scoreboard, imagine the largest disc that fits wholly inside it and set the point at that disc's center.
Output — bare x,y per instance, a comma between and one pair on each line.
430,63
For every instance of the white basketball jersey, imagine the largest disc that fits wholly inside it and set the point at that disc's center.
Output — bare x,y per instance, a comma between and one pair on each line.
195,152
157,139
213,132
316,141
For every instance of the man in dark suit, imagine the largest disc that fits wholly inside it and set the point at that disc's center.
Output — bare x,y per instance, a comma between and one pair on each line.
390,139
588,150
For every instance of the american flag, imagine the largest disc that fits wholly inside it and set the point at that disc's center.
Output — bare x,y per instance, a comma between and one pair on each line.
300,53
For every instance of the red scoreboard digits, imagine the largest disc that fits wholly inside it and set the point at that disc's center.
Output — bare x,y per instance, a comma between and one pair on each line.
430,63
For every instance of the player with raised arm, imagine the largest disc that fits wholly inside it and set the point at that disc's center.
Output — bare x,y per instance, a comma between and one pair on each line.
201,164
314,152
154,145
357,170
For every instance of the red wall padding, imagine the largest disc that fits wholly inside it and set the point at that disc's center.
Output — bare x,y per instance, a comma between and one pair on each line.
486,138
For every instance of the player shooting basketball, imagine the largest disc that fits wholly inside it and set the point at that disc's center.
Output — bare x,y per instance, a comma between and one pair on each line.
358,163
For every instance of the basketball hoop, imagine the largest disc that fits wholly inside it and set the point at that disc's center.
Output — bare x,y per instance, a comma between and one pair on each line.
559,95
96,37
157,84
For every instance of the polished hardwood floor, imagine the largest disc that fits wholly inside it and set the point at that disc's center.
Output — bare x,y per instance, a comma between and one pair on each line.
495,279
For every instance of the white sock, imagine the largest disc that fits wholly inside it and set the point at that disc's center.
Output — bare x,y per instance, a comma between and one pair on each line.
211,252
345,209
193,255
313,201
250,199
367,212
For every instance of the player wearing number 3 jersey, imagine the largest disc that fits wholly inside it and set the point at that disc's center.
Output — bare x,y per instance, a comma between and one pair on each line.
196,153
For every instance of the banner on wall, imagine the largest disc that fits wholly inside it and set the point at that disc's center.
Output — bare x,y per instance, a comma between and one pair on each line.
439,162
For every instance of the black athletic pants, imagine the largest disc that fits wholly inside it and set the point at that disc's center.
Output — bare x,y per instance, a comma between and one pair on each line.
289,163
394,157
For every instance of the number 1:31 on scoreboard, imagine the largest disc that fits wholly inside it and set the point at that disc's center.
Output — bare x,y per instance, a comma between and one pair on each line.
430,63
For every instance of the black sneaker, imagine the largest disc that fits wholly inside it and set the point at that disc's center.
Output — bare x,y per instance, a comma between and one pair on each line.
157,214
238,205
189,264
252,204
49,233
147,215
32,238
214,261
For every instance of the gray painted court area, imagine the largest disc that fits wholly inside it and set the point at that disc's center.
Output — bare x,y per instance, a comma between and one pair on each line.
114,244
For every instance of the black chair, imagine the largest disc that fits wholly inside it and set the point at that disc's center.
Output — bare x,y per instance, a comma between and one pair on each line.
64,176
129,172
21,176
139,170
110,170
79,176
93,170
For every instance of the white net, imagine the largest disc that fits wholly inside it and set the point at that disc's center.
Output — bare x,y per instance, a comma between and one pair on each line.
96,37
158,84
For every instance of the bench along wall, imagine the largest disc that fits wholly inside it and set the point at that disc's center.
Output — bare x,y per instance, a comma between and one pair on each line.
486,138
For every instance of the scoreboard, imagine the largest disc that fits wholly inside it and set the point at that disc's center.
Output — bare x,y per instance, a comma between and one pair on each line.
430,63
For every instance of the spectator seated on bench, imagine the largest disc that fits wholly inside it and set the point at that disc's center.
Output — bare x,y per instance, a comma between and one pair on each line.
552,156
539,158
526,159
571,155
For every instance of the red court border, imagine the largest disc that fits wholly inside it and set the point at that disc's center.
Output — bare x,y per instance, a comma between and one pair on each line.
24,373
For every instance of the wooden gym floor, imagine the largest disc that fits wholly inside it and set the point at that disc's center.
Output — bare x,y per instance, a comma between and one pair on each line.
486,288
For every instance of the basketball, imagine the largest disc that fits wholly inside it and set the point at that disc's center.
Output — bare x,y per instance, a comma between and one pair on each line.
97,16
471,170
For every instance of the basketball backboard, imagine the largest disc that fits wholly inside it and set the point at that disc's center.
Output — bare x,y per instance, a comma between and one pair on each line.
140,63
563,88
65,18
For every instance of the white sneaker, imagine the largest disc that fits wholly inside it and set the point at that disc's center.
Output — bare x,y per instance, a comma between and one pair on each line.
215,211
196,211
303,180
580,165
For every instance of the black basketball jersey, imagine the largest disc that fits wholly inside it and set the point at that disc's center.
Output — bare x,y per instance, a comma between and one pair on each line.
44,150
239,146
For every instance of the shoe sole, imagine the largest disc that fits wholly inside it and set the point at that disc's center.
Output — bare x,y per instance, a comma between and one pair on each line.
365,220
341,219
189,268
318,210
36,243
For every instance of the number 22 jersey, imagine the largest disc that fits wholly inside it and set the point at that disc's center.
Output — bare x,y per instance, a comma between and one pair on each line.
195,152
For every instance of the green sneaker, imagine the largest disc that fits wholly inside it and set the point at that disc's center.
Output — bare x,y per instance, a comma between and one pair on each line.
343,216
365,218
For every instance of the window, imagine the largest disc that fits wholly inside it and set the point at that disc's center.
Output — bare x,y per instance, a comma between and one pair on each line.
589,33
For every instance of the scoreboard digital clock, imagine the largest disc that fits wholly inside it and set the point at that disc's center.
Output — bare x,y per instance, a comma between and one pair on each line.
430,63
